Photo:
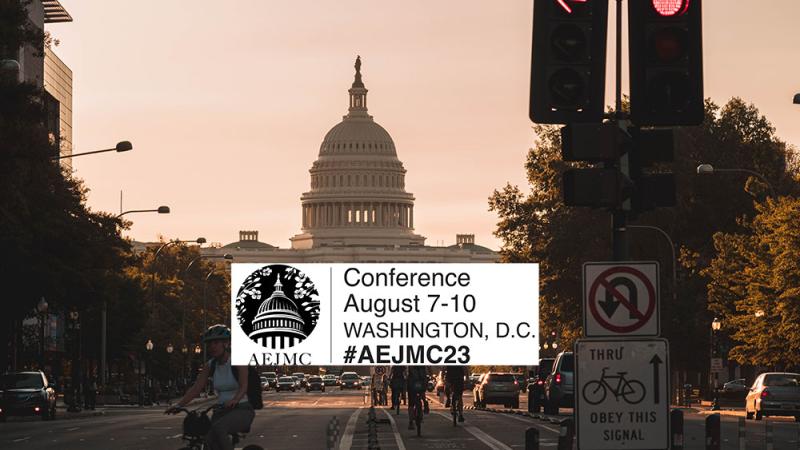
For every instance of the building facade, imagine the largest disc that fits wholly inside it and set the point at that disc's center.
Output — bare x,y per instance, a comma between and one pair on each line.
357,208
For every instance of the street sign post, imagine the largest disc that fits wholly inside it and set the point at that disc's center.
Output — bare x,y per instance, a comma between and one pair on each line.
620,299
622,394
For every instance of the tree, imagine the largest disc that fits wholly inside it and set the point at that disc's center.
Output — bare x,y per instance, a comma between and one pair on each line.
53,245
537,227
755,285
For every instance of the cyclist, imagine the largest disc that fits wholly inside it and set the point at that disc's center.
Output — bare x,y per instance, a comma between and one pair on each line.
398,384
378,388
417,381
454,380
234,414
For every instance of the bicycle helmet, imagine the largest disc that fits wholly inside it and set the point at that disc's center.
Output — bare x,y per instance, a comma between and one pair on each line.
217,332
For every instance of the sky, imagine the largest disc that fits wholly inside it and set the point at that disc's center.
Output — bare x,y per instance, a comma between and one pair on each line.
226,103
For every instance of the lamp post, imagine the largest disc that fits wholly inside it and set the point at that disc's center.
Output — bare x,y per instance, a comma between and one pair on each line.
205,301
674,260
708,169
148,370
170,349
122,146
74,318
716,324
104,311
227,257
184,352
42,308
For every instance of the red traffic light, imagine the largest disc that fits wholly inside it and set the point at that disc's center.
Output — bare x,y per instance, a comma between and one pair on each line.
669,8
565,4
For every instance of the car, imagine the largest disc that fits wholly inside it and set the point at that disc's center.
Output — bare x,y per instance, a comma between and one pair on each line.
264,383
735,386
329,380
27,393
272,379
559,387
315,383
350,380
497,387
286,384
536,384
774,394
301,379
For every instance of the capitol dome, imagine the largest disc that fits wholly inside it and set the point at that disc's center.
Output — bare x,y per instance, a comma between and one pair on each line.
357,195
278,323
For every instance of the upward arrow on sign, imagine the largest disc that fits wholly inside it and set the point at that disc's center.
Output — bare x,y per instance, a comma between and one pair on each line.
655,361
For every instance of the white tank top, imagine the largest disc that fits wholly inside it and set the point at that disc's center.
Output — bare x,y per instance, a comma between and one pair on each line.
225,384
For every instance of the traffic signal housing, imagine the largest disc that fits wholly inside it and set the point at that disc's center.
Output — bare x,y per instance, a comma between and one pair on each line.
652,189
568,61
666,62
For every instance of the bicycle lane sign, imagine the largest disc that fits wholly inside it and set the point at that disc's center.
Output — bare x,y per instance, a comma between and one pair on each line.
620,299
622,394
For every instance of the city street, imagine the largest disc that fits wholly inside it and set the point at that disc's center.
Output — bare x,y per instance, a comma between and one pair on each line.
299,421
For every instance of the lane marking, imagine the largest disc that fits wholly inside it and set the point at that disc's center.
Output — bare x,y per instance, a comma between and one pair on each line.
530,421
491,442
397,438
72,429
22,439
347,438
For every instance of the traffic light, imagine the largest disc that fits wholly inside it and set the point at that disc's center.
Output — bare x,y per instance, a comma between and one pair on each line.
568,61
595,187
666,62
651,146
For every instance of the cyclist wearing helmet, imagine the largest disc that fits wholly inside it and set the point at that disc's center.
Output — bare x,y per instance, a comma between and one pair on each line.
234,414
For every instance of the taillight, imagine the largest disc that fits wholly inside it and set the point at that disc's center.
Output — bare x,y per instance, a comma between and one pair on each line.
540,382
516,382
764,393
558,378
36,409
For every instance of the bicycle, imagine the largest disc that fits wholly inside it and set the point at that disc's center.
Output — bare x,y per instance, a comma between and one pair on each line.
196,426
632,391
457,406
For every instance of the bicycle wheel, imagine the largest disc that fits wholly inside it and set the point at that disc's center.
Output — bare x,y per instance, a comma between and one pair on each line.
594,392
633,392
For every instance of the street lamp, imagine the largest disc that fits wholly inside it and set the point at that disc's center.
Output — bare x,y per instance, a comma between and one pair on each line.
160,210
708,169
672,249
716,324
205,295
170,349
122,146
104,311
42,308
148,371
227,257
184,352
74,316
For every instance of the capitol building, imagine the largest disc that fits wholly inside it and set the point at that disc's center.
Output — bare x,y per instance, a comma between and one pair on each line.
357,209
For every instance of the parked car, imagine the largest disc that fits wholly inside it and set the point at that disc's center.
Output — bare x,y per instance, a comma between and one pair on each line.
329,380
264,383
272,379
286,384
301,379
559,387
315,383
774,394
25,394
350,380
496,387
734,386
536,384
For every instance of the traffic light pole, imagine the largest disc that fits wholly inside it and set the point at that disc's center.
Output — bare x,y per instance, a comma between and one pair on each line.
619,217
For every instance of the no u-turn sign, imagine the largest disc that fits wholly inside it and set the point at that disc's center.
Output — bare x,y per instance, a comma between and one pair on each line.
620,299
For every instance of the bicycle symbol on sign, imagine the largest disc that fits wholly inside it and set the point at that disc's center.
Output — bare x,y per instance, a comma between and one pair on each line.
632,391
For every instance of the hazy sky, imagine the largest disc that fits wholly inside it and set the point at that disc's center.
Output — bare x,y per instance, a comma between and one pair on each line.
226,103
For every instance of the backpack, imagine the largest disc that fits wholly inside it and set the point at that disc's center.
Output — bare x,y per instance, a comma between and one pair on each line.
253,384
